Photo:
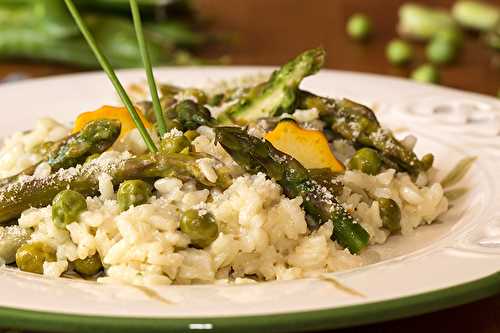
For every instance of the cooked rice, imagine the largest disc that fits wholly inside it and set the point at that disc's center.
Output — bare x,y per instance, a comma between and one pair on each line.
263,235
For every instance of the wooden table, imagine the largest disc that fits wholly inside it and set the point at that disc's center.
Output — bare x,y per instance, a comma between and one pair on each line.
271,31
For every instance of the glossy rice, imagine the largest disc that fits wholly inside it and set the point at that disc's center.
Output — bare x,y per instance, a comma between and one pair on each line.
262,234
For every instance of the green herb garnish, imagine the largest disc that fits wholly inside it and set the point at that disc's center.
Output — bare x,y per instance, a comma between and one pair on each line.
146,60
106,66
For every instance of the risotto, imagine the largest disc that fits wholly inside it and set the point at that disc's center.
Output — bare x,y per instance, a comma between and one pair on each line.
260,226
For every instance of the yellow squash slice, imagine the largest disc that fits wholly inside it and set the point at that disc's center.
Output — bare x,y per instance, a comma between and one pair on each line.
110,112
309,147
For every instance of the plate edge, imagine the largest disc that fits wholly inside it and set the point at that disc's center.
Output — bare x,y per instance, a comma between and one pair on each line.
354,315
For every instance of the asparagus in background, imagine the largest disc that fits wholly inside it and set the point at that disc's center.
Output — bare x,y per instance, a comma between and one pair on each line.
43,30
476,15
422,22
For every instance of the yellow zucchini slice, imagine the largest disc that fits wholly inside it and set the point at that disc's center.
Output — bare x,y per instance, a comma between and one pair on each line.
309,147
110,112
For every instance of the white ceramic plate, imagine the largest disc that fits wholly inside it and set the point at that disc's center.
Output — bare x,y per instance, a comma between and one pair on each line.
448,263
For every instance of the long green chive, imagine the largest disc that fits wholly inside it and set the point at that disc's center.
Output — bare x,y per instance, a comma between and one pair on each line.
162,128
106,66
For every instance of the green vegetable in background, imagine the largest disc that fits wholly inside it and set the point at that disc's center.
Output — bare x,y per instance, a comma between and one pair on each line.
201,229
492,37
399,52
30,257
440,51
133,193
422,22
359,26
452,36
367,161
67,207
43,30
476,15
88,266
426,74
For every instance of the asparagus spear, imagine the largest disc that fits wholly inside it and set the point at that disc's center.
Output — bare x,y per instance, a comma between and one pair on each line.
255,156
278,93
95,138
27,192
358,124
44,30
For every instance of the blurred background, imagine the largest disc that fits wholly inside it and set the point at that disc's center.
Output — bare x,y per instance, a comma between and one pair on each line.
448,42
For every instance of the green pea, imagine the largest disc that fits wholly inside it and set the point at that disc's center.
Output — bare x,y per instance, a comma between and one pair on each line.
133,193
426,74
91,158
199,94
202,230
359,27
67,207
191,135
440,51
390,213
175,144
399,52
453,36
427,161
30,257
88,266
366,160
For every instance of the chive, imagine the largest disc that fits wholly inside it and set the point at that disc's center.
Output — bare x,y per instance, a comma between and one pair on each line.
162,128
106,66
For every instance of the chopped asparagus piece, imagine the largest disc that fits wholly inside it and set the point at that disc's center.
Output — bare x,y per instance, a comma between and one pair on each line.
358,124
95,138
11,238
29,192
277,95
255,155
